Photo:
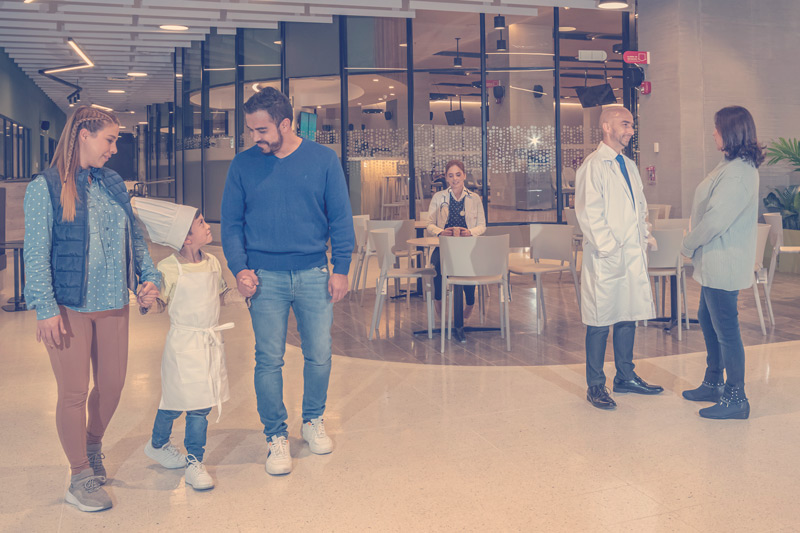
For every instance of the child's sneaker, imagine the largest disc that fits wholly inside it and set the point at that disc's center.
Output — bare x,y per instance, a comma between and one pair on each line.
86,493
196,474
279,457
314,434
167,456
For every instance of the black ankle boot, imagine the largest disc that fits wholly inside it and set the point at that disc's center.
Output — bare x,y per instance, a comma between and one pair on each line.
733,404
706,392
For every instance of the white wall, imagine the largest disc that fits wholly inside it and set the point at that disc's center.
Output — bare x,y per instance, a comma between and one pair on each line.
708,54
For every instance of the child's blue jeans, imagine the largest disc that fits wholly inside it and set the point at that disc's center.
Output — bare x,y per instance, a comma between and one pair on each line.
196,425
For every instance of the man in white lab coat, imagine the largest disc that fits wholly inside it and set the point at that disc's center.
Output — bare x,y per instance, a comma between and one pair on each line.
615,287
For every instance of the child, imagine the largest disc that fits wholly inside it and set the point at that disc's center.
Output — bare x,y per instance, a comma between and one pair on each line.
193,375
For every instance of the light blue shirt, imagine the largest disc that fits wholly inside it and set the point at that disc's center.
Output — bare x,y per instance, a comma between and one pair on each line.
106,284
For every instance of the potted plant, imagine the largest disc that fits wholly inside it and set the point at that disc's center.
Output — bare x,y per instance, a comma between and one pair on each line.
786,201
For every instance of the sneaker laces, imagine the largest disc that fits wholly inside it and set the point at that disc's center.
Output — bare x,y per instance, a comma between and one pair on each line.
319,428
172,450
191,461
92,484
279,447
96,459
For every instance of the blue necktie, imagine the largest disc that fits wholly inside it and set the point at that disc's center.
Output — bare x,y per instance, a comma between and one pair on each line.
624,170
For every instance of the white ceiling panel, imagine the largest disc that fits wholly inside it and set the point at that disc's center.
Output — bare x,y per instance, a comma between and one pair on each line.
122,36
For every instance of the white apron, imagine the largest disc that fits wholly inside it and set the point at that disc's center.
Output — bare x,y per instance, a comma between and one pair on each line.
193,374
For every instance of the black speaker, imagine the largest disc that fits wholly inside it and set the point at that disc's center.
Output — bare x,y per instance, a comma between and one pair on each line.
387,115
499,91
45,125
455,117
538,91
596,95
634,75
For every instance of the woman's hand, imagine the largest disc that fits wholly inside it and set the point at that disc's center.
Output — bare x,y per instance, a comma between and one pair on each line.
50,331
448,232
465,232
147,294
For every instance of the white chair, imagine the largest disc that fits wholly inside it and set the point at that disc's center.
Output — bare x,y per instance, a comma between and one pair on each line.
383,240
577,236
475,261
776,221
761,275
672,223
549,242
360,229
663,210
667,261
403,229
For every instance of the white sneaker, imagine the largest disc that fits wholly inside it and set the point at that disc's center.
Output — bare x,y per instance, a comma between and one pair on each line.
167,456
279,458
314,434
196,474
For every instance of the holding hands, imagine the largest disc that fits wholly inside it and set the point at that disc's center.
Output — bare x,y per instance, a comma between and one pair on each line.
246,282
147,294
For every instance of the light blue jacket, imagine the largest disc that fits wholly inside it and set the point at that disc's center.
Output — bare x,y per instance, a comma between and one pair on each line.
722,243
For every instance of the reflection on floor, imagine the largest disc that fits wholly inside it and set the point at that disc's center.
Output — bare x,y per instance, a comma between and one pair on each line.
472,439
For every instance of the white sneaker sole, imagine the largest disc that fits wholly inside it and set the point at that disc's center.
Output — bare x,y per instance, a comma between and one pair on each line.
71,499
318,450
148,448
279,470
200,486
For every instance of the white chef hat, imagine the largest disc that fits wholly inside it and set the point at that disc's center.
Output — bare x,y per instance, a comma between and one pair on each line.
167,223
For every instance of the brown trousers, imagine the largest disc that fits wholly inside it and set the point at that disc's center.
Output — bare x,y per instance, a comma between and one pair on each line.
99,339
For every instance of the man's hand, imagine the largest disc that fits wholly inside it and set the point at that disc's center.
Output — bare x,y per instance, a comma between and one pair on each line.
147,294
337,287
50,331
246,282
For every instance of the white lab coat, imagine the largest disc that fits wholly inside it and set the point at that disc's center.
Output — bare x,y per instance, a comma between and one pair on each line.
615,286
193,374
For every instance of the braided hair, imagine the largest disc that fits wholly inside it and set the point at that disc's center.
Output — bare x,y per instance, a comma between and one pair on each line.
66,158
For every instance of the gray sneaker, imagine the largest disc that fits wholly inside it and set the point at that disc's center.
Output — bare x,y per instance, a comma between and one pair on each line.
96,462
86,493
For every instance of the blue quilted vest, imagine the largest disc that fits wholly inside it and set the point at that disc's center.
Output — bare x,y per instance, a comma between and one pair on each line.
69,254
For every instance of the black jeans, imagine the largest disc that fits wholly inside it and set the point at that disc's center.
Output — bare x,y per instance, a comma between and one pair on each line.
719,319
596,337
469,290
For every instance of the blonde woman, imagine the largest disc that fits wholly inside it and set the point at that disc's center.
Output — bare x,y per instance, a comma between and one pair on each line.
83,252
455,211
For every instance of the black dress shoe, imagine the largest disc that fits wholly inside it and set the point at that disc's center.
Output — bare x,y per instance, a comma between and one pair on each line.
598,396
636,385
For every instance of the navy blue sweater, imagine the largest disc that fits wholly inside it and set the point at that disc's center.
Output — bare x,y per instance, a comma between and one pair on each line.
277,214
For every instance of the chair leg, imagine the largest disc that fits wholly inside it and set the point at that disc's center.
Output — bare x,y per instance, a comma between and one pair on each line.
657,293
758,306
504,289
685,300
376,310
451,313
541,297
501,309
429,306
769,304
444,311
663,296
365,268
679,307
577,288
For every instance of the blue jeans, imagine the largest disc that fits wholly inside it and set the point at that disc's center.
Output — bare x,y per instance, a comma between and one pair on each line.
719,320
596,337
306,293
196,426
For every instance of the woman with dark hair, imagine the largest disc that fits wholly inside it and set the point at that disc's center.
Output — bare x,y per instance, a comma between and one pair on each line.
455,211
83,252
722,246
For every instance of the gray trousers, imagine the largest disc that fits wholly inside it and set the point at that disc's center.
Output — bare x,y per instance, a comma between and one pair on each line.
596,337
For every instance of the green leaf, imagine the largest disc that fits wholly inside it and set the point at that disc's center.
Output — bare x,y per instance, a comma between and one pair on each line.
784,150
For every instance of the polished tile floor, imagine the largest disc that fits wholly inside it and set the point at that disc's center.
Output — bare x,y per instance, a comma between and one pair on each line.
473,439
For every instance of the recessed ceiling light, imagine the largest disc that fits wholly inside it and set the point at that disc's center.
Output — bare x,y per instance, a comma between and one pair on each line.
123,127
179,75
116,91
567,28
131,112
404,45
319,107
278,41
173,27
612,4
375,79
391,94
391,86
137,74
72,105
143,122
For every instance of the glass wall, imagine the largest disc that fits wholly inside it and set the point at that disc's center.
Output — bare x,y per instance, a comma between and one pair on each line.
354,90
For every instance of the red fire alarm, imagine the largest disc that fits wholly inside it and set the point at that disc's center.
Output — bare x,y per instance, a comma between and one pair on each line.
646,87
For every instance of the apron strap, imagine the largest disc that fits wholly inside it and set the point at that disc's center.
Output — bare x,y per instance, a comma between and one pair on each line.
180,268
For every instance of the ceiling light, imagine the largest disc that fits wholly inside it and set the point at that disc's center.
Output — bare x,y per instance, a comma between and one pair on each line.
391,94
116,91
179,75
137,74
132,112
173,27
72,105
144,122
88,62
277,41
27,1
567,28
457,62
123,127
499,22
391,86
612,4
104,108
375,79
404,45
502,45
319,107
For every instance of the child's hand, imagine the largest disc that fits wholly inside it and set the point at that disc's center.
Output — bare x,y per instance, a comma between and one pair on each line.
147,294
246,282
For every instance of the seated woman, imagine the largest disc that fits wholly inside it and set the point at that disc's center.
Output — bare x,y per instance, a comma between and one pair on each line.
458,212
